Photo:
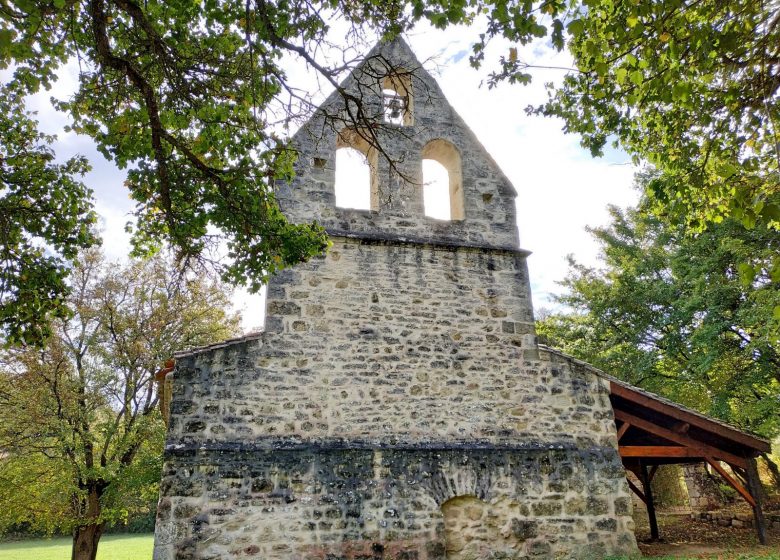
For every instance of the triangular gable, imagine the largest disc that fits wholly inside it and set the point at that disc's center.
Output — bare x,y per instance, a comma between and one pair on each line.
487,214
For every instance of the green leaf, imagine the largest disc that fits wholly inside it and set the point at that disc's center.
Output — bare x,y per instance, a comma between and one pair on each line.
575,27
680,91
747,273
771,212
6,37
774,270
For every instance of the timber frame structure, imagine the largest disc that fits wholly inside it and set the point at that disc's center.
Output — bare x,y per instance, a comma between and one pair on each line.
654,431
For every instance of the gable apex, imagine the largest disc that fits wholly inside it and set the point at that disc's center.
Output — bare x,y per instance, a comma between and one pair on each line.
392,110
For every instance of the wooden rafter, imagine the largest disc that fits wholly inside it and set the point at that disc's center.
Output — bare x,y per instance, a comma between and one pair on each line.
702,449
622,430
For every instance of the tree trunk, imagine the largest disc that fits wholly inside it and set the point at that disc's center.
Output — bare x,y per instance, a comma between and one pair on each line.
85,541
87,536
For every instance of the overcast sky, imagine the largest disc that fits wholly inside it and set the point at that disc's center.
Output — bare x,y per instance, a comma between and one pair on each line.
561,188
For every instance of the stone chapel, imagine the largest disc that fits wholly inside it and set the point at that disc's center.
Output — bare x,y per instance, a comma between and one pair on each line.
397,405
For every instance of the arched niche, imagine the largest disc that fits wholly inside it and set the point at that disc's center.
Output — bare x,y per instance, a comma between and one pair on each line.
356,179
475,529
442,193
397,99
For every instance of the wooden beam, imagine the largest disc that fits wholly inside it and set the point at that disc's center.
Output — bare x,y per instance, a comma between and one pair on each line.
703,449
682,427
622,431
636,490
754,485
653,470
727,432
734,484
659,451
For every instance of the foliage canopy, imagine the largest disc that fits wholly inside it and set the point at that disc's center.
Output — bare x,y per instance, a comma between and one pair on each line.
80,430
40,200
193,99
690,87
677,312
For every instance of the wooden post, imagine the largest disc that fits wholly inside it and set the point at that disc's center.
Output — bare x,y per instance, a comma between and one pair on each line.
649,503
754,485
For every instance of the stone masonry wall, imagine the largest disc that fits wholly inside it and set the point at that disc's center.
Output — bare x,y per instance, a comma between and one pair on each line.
366,406
394,342
397,405
345,503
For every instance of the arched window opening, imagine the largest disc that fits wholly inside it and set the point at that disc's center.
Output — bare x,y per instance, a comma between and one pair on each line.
442,181
397,99
436,190
356,178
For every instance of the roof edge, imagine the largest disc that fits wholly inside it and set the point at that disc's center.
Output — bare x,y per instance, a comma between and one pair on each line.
219,345
662,400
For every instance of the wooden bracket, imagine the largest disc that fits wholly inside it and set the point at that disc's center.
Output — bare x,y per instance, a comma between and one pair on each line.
734,484
636,490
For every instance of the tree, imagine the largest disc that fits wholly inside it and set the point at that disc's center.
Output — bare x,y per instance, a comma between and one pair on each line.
689,86
40,202
81,434
679,313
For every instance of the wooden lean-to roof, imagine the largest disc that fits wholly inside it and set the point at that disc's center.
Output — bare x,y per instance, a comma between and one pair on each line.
653,430
662,431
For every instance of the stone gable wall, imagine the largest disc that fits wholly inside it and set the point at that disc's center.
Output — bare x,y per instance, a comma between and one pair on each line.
489,197
344,430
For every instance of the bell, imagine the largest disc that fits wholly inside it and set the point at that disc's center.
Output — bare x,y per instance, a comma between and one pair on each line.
395,108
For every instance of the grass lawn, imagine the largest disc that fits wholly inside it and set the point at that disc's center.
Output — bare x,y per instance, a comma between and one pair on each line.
111,547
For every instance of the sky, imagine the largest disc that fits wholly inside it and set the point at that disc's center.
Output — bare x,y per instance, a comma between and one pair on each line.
561,188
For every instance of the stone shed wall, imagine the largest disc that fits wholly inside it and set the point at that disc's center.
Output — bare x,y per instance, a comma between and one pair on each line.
397,392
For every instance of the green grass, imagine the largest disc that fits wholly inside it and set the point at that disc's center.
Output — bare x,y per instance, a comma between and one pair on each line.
111,547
